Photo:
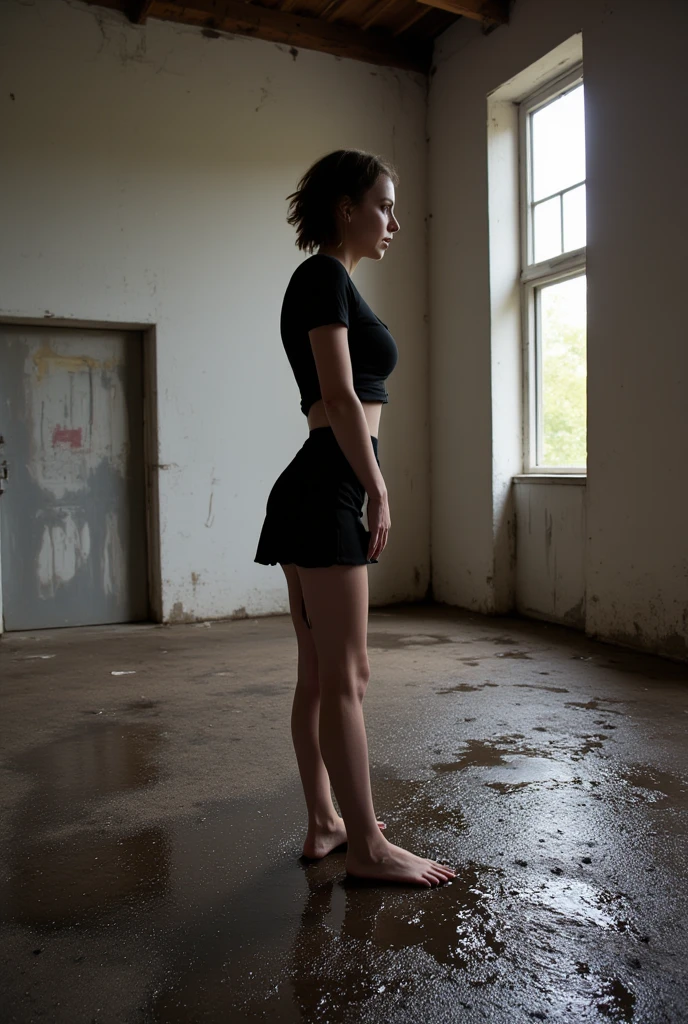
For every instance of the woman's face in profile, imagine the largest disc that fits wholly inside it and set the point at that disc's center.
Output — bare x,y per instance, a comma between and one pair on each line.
373,222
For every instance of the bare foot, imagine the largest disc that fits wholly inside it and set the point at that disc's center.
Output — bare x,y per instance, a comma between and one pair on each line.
321,841
391,863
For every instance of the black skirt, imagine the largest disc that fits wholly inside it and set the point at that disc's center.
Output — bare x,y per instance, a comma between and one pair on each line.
314,514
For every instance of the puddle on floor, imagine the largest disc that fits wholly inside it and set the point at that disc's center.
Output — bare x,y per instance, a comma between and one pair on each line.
595,704
61,873
398,641
466,687
651,786
478,754
541,686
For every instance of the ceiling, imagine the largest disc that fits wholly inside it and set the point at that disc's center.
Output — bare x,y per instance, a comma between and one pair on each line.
395,33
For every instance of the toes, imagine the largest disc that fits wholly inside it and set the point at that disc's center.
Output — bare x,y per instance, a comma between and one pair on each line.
439,871
442,867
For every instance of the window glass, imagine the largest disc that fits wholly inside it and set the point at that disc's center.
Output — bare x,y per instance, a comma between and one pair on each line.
558,140
561,318
547,229
574,218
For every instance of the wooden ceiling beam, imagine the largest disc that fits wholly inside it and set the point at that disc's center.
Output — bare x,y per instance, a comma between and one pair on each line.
138,11
375,13
374,46
495,11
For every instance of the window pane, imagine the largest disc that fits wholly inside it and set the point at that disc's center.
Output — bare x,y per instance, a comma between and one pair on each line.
547,229
574,219
562,319
558,139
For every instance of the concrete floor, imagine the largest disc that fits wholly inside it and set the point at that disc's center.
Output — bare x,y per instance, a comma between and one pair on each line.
153,822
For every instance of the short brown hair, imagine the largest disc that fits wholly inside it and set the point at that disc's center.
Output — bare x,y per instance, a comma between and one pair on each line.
346,172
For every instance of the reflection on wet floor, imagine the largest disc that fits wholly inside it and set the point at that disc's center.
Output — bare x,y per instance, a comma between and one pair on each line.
67,883
60,871
129,895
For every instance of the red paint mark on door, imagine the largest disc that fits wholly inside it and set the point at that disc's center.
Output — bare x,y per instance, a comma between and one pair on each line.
67,435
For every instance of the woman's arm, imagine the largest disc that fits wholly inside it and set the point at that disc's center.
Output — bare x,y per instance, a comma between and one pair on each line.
344,411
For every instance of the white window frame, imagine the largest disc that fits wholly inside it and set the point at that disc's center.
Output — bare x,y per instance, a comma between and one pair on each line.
534,275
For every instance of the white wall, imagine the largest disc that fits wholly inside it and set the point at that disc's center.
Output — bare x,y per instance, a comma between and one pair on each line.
146,170
636,551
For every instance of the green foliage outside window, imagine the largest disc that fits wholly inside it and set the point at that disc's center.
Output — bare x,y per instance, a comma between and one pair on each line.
564,372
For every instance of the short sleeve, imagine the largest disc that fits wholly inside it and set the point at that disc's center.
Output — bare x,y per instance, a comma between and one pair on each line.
325,292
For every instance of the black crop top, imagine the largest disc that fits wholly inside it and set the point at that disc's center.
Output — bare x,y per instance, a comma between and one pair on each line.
321,292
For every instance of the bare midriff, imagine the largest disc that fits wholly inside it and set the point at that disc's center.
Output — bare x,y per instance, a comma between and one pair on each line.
317,416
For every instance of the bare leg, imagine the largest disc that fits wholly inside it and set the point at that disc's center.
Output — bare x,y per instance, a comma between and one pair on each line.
326,829
337,599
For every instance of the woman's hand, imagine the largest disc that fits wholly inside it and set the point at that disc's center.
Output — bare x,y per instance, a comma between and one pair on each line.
378,524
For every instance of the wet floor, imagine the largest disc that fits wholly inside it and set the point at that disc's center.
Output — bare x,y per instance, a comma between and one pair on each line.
152,824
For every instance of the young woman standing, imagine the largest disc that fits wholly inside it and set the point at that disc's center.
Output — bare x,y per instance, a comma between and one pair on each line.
341,354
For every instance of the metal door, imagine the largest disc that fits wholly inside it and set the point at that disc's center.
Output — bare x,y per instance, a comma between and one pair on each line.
72,512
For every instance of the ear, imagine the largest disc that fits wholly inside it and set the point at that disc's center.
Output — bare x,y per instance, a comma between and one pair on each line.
344,207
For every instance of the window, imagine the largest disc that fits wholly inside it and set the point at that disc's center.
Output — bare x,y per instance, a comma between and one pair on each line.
553,275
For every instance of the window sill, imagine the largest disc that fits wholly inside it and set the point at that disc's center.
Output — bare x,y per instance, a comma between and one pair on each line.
551,478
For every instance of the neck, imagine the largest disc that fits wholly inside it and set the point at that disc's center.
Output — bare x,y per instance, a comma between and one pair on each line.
345,257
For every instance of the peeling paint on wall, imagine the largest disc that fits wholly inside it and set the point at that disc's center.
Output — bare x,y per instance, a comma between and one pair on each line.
64,435
113,556
64,550
177,614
